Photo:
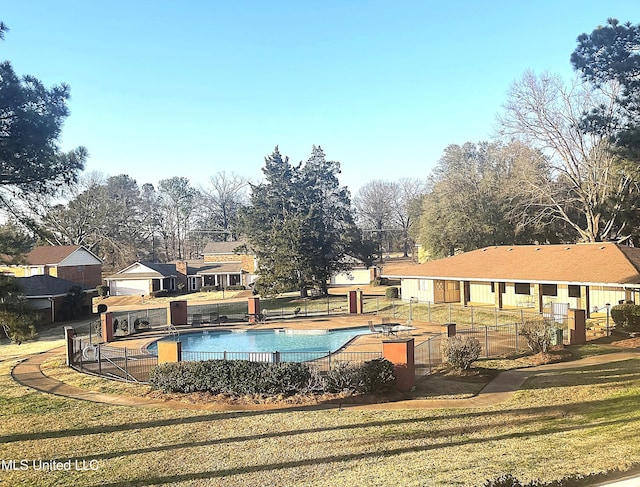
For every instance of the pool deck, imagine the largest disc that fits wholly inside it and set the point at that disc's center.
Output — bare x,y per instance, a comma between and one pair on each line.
363,343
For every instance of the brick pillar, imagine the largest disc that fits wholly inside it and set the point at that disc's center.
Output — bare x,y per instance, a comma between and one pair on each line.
400,352
69,333
253,309
355,302
106,324
577,319
449,329
177,313
169,351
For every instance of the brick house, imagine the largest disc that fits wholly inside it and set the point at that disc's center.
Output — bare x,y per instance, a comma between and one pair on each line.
70,262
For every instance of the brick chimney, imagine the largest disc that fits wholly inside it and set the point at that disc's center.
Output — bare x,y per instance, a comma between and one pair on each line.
181,271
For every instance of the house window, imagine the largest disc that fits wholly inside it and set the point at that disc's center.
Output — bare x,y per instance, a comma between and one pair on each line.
502,287
549,289
574,291
522,288
423,284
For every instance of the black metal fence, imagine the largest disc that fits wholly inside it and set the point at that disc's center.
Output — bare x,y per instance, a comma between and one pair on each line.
216,313
130,365
495,341
400,310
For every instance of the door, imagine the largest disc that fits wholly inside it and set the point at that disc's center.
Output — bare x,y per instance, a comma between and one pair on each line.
452,292
438,291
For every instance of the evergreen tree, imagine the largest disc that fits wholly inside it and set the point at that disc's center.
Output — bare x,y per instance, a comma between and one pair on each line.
299,224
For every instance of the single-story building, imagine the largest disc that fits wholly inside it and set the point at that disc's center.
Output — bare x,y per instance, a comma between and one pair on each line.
358,274
584,276
48,295
142,278
196,274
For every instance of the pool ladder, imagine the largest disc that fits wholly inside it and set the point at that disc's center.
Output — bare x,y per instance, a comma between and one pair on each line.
173,331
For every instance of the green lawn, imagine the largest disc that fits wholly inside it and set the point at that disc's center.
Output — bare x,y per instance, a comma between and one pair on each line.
575,421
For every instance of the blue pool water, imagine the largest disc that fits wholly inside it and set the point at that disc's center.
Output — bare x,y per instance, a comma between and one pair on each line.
266,340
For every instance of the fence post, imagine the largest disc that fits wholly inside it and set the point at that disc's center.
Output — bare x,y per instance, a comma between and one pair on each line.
429,353
126,366
68,338
329,358
486,340
516,337
99,357
471,317
496,313
80,354
276,357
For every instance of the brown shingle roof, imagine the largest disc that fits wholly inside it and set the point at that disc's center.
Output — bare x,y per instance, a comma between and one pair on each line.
601,263
50,254
223,247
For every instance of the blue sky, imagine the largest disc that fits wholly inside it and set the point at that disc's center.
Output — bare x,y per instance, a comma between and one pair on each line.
191,88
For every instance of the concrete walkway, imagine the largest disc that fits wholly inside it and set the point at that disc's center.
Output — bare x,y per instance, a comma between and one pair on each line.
29,374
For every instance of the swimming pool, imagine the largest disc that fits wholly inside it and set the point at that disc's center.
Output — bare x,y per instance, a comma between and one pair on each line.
278,340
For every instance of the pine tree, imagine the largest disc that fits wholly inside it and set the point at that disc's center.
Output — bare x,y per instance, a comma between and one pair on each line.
299,224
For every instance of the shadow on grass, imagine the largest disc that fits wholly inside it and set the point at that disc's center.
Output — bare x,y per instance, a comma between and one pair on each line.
341,458
623,371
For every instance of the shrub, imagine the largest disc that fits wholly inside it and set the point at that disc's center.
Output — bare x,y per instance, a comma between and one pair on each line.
575,480
102,291
124,325
538,333
235,288
461,351
374,376
237,377
241,377
375,282
139,324
391,292
162,293
208,289
626,316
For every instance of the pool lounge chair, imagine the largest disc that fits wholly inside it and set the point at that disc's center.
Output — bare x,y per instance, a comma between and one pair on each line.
374,329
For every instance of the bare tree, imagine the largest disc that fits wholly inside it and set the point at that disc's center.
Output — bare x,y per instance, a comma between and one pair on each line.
374,210
177,199
222,200
406,194
585,188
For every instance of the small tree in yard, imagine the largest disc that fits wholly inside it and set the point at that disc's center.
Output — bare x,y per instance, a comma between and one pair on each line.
539,334
16,316
461,351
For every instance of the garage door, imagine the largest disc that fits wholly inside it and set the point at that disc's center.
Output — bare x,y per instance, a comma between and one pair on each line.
129,287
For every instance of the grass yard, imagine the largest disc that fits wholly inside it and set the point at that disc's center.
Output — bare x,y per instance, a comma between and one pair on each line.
562,422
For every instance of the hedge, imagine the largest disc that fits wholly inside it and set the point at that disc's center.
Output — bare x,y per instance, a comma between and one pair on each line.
241,377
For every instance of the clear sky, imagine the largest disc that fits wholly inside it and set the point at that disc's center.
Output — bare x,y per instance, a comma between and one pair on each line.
191,88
